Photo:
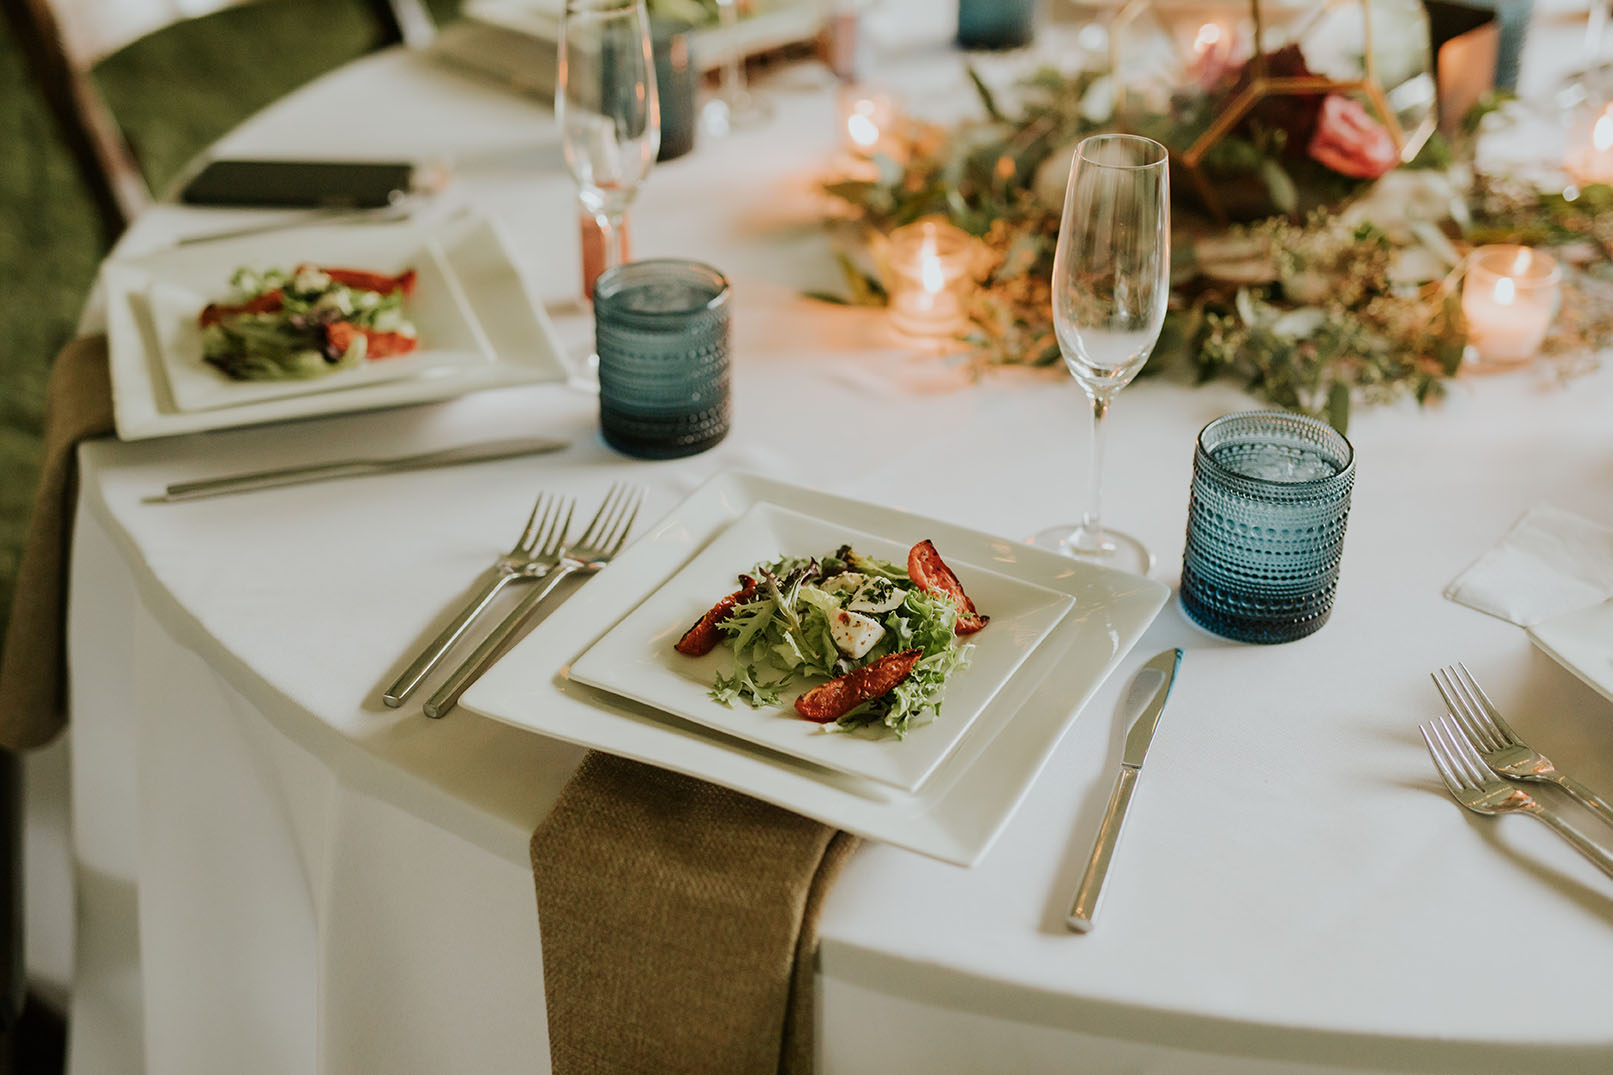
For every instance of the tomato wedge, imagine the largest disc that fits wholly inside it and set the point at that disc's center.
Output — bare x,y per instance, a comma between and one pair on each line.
703,637
929,572
360,280
339,336
266,303
834,699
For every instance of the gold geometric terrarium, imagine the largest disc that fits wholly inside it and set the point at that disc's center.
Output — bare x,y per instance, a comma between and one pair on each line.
1348,83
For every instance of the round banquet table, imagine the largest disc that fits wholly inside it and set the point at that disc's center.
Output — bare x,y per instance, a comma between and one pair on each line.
274,873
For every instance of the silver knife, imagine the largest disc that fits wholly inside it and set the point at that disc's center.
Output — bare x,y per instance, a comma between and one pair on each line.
1085,909
352,468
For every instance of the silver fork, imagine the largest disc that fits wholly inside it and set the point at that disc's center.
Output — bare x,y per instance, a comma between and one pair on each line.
535,553
1499,745
602,540
1476,787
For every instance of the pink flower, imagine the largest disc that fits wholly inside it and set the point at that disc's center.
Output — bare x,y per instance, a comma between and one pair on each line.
1351,142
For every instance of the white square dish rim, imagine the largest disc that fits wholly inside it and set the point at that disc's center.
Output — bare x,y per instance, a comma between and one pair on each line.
1582,642
634,659
958,813
524,346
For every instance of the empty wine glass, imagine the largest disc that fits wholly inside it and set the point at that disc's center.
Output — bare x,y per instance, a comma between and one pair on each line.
1111,283
735,106
607,107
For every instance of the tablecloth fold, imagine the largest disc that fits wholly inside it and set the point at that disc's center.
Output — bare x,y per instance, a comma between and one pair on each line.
33,679
679,924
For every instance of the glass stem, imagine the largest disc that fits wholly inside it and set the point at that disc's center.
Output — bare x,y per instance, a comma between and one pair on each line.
610,233
1090,535
733,88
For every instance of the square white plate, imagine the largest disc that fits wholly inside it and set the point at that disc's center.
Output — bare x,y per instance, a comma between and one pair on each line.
636,660
1581,642
479,325
959,811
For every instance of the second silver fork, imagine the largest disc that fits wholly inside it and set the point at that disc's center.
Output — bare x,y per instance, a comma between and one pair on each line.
603,539
545,531
1500,746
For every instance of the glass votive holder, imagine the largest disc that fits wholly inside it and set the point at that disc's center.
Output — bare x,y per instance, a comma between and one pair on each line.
1510,296
868,121
996,24
1590,144
661,329
927,271
1265,525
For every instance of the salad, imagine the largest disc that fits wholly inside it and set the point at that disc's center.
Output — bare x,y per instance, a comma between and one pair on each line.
883,637
307,323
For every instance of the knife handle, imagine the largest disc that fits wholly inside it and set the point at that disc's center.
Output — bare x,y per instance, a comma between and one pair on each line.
1085,908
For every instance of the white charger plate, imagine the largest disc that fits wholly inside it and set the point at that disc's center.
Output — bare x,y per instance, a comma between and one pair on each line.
1581,642
473,298
636,659
959,811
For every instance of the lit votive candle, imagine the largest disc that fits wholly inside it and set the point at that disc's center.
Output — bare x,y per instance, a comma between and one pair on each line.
868,121
1509,298
1590,152
928,265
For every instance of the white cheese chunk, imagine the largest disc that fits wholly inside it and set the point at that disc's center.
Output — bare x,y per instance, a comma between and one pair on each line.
845,582
854,634
877,595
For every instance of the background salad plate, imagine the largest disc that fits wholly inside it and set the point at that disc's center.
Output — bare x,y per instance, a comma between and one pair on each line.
635,659
956,813
478,326
1581,642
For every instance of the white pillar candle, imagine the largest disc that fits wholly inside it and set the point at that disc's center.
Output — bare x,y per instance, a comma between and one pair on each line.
1509,298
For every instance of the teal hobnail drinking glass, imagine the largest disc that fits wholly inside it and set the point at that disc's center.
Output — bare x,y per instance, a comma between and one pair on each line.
1265,525
661,330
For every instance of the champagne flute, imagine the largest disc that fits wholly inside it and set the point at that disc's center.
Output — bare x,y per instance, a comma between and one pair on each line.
735,106
607,107
1111,283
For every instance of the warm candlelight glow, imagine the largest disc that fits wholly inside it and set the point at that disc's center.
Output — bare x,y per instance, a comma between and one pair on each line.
1509,299
1590,149
927,268
868,121
1208,35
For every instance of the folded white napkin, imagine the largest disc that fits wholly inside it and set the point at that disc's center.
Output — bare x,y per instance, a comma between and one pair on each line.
1551,561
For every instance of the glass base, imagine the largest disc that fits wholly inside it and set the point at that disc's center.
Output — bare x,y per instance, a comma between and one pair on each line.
746,111
1111,549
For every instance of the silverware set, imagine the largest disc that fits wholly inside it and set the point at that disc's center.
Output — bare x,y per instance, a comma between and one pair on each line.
1482,760
543,551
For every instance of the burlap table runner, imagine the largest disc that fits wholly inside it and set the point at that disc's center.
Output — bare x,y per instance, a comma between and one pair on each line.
33,671
679,924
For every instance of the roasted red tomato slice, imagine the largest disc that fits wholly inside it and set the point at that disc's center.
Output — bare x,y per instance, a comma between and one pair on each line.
703,637
266,303
339,335
373,281
929,572
836,698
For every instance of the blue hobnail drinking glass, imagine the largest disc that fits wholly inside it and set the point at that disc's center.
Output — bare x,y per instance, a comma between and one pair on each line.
661,331
1265,525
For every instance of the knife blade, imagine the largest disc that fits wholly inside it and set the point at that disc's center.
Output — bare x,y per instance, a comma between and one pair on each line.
352,468
1084,911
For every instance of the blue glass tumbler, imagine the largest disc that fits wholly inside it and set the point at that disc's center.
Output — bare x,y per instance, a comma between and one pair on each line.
661,331
996,24
1265,525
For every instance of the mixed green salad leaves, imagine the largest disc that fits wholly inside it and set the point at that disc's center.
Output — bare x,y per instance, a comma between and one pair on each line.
306,323
811,619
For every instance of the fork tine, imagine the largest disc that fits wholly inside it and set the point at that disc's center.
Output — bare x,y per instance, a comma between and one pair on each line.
1461,707
591,534
1468,757
1498,725
1441,735
619,537
554,539
1436,750
529,534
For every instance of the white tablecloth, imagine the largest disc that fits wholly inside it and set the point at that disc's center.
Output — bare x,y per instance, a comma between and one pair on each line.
274,873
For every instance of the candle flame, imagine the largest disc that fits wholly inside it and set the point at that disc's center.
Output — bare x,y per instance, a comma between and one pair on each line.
862,128
1505,291
930,274
1521,263
1602,133
1209,34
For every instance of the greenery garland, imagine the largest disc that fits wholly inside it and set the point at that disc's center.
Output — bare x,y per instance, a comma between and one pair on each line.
1332,300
